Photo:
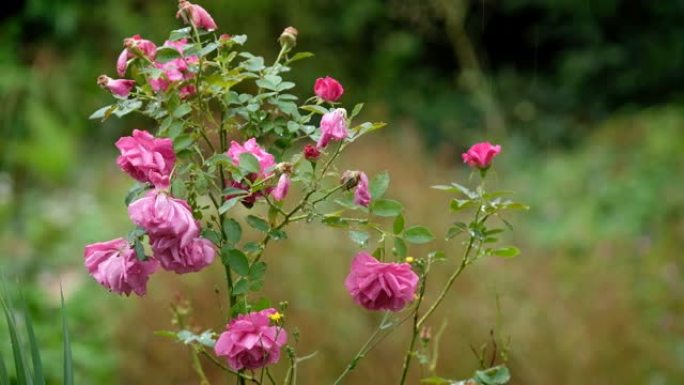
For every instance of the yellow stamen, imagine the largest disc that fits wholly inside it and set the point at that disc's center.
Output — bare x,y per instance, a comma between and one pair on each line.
409,259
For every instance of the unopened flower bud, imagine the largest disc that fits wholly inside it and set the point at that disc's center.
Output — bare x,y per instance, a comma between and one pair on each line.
426,334
311,153
284,168
288,39
350,179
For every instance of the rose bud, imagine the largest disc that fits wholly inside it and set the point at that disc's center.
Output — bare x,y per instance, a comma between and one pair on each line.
119,87
480,155
311,153
328,89
288,39
195,15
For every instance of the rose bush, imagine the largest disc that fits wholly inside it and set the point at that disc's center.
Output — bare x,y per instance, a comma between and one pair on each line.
229,132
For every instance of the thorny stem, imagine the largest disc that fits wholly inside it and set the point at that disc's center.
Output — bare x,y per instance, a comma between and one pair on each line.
415,331
367,346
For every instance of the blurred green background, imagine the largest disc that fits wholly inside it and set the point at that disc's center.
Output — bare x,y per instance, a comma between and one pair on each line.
585,97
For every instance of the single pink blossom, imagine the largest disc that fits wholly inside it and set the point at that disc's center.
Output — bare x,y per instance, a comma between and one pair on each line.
282,187
380,286
163,216
114,265
362,194
146,158
195,15
187,91
328,89
119,87
266,160
134,45
333,127
172,256
251,341
480,155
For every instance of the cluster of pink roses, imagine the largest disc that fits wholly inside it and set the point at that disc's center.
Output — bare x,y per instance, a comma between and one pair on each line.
173,232
176,71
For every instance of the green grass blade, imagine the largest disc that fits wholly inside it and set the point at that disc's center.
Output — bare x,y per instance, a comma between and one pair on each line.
23,378
38,377
4,377
68,364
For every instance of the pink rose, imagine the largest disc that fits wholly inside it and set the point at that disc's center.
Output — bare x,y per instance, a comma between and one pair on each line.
480,155
114,265
195,15
281,188
146,158
250,341
266,160
134,45
119,87
194,256
362,194
163,216
328,89
380,286
333,127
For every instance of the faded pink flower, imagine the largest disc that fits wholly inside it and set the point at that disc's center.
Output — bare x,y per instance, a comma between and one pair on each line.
114,265
250,341
163,216
480,155
146,158
266,160
194,256
362,194
195,15
134,45
380,286
119,87
333,127
281,188
328,89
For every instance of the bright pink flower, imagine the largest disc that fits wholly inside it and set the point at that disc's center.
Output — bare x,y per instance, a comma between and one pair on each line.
195,15
380,286
266,160
119,87
194,256
250,341
328,89
114,265
311,153
134,45
163,216
146,158
362,194
281,188
480,155
333,127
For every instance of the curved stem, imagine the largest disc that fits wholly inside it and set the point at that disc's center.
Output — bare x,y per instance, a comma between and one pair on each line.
415,331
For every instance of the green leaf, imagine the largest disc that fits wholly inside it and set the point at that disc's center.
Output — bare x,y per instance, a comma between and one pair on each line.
435,380
498,375
257,271
139,250
398,225
258,223
180,33
249,163
209,48
241,287
460,204
359,237
182,142
237,261
386,208
455,187
21,371
252,247
134,192
68,362
400,249
334,221
506,252
232,231
4,376
418,235
357,109
103,113
314,108
278,234
212,235
166,54
227,205
300,56
182,110
379,185
457,228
